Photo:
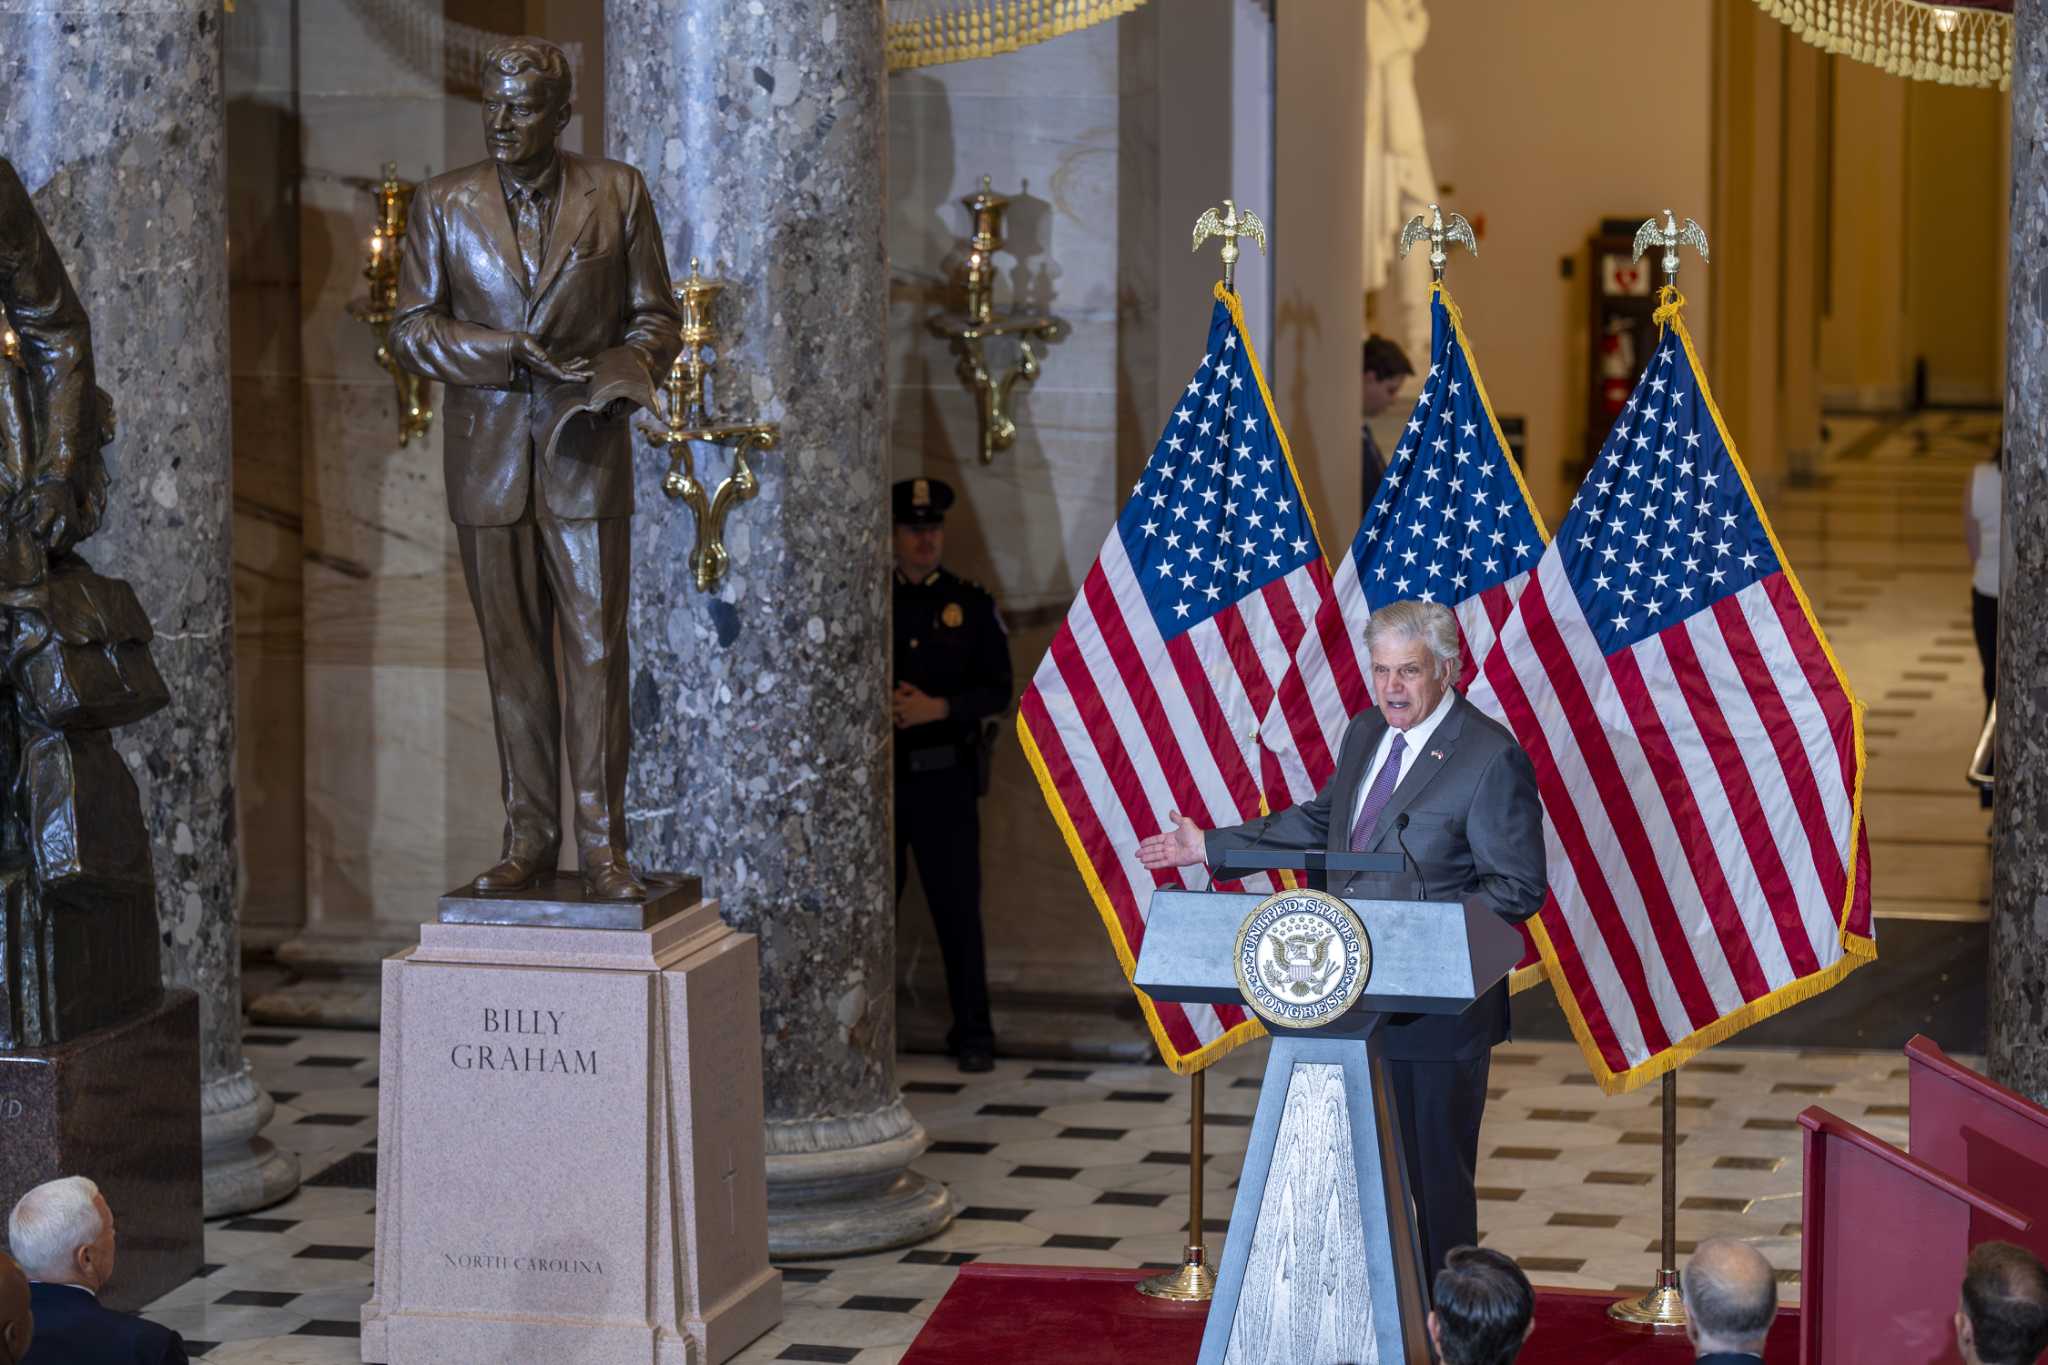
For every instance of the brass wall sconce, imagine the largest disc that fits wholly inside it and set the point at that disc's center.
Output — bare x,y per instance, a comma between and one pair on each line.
685,413
969,331
394,197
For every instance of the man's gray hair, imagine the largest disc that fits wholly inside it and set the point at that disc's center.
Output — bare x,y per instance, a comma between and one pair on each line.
1730,1292
52,1221
1429,622
516,56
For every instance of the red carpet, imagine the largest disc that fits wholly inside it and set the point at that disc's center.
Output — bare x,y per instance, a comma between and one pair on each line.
999,1314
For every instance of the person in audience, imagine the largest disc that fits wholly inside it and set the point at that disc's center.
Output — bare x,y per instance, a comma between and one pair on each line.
1731,1299
17,1325
1483,1308
62,1232
2004,1315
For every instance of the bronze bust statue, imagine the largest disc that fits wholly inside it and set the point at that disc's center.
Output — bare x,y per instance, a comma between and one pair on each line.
77,889
534,286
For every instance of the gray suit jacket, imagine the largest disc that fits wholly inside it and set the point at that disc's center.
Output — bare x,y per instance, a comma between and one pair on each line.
602,294
1475,833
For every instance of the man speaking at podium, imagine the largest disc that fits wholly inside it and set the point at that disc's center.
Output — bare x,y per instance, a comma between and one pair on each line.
1425,775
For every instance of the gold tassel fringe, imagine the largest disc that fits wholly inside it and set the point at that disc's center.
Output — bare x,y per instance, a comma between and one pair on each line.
928,32
1949,45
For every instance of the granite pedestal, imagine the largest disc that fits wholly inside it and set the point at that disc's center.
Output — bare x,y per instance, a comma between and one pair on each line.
570,1161
120,1106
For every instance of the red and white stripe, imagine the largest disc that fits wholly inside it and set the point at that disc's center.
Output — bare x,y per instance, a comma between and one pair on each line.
1698,790
1130,726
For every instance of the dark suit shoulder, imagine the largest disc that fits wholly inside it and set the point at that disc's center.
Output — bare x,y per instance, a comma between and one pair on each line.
72,1326
1484,730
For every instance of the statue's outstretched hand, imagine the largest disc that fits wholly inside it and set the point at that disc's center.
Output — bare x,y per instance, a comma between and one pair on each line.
527,350
1181,846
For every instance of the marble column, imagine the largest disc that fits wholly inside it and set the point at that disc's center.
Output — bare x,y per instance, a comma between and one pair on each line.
114,119
2019,889
760,725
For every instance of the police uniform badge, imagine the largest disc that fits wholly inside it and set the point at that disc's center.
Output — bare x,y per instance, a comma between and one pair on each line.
952,615
1303,959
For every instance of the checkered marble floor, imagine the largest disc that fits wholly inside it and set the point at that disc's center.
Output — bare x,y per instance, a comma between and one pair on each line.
1063,1163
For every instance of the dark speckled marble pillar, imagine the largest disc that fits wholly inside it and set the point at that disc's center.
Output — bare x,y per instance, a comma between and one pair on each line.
2019,895
760,726
113,116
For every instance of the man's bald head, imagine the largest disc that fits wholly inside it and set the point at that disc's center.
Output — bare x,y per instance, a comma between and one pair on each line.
16,1326
1731,1296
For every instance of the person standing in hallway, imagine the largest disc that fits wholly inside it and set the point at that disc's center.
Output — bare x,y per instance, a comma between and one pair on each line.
952,674
1983,500
1386,367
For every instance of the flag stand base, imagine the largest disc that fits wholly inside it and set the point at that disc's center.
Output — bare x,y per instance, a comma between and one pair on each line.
1661,1309
1193,1281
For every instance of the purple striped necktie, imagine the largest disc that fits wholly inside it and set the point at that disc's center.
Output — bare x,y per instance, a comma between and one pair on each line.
1381,793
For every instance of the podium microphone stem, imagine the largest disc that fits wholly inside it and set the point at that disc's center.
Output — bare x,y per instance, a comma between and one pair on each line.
1193,1281
1662,1309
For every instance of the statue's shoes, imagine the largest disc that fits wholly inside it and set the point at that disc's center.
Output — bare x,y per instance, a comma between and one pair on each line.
613,882
515,873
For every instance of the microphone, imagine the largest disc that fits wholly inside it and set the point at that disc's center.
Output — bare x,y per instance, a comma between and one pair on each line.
1401,838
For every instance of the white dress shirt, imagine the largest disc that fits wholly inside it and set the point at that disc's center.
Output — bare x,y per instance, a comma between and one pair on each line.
1416,741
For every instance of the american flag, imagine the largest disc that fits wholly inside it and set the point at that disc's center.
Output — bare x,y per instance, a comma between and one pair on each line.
1452,523
1170,686
1697,745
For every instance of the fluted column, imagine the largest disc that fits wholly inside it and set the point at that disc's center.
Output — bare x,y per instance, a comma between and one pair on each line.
114,119
2019,892
760,723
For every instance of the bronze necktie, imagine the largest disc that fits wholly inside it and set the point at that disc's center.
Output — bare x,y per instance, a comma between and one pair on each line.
532,231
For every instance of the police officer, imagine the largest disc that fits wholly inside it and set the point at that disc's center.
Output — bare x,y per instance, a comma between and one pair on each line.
952,674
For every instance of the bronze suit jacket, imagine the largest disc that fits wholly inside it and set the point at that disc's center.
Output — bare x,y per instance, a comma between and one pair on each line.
602,293
1475,833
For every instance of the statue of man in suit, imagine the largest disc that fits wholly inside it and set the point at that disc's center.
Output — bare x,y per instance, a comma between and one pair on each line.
529,281
1428,775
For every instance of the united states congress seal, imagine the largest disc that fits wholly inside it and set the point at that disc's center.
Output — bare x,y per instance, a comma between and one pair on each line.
1302,958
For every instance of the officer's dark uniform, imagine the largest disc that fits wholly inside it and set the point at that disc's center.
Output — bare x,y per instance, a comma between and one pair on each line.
950,645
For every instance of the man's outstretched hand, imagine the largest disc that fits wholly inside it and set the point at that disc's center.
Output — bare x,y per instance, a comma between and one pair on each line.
527,350
1181,846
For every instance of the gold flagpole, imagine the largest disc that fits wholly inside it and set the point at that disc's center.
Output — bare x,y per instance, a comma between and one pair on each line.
1662,1308
1193,1281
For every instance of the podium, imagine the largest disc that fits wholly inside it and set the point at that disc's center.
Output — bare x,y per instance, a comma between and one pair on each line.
1323,1263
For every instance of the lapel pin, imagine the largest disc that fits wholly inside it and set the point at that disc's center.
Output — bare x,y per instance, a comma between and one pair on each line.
1437,754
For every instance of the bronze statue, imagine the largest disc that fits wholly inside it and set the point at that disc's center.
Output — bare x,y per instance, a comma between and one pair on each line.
77,892
535,287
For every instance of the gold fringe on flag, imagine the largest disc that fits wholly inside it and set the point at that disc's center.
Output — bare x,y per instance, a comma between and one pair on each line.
1966,44
927,32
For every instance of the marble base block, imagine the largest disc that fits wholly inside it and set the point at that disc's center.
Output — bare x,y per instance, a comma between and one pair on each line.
570,1147
120,1106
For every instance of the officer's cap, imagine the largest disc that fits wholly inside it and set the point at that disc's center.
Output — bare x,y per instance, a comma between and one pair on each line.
921,502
